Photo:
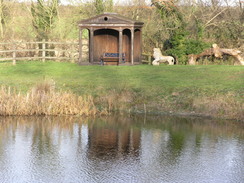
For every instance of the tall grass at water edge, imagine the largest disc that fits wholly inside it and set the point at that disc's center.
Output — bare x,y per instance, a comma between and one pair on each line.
43,99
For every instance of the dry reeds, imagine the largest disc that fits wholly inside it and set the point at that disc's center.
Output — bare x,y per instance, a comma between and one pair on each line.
225,106
118,100
44,100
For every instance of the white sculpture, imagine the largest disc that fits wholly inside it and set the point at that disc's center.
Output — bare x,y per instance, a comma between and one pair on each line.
157,54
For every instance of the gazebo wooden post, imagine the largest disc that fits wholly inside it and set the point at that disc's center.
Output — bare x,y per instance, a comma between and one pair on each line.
120,44
132,46
140,45
91,45
80,46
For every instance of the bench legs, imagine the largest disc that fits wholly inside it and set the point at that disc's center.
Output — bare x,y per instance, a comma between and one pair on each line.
101,62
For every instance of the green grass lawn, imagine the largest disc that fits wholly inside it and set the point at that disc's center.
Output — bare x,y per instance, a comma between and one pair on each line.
145,78
178,85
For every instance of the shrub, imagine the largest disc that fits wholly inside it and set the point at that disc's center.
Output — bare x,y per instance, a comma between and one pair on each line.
180,46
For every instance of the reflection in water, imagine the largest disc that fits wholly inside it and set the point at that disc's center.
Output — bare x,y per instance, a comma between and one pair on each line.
108,140
120,149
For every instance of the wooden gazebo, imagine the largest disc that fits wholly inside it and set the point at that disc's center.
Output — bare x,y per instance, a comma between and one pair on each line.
112,33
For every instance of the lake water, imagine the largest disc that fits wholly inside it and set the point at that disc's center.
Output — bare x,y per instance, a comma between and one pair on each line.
120,149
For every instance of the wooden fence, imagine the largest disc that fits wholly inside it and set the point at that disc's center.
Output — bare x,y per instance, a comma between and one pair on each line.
47,50
147,58
44,50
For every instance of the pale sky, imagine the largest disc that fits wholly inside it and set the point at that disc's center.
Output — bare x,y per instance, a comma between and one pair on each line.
223,2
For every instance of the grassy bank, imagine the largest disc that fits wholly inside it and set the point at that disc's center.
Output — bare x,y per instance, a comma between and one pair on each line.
207,90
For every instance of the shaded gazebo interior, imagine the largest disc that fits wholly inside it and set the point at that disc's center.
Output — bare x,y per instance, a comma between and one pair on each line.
112,33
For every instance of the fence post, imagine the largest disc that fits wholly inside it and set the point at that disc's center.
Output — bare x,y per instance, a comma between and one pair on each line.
149,60
72,53
14,54
43,50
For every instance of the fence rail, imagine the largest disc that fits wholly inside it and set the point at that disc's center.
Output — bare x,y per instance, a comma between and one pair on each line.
147,58
40,42
44,50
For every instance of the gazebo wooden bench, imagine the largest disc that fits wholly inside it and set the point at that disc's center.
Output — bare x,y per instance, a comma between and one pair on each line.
112,57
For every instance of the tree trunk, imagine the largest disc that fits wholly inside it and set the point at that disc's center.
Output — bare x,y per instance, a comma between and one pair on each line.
218,53
1,19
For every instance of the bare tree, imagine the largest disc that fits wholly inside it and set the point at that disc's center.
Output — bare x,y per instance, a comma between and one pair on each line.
242,11
2,17
44,14
139,2
99,6
215,3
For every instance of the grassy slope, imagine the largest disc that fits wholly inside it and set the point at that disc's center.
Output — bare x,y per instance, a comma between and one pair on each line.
177,83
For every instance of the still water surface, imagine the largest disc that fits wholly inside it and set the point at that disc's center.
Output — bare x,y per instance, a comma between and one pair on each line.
120,149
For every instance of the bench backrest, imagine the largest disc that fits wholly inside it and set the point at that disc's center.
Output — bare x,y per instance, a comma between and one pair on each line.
114,55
